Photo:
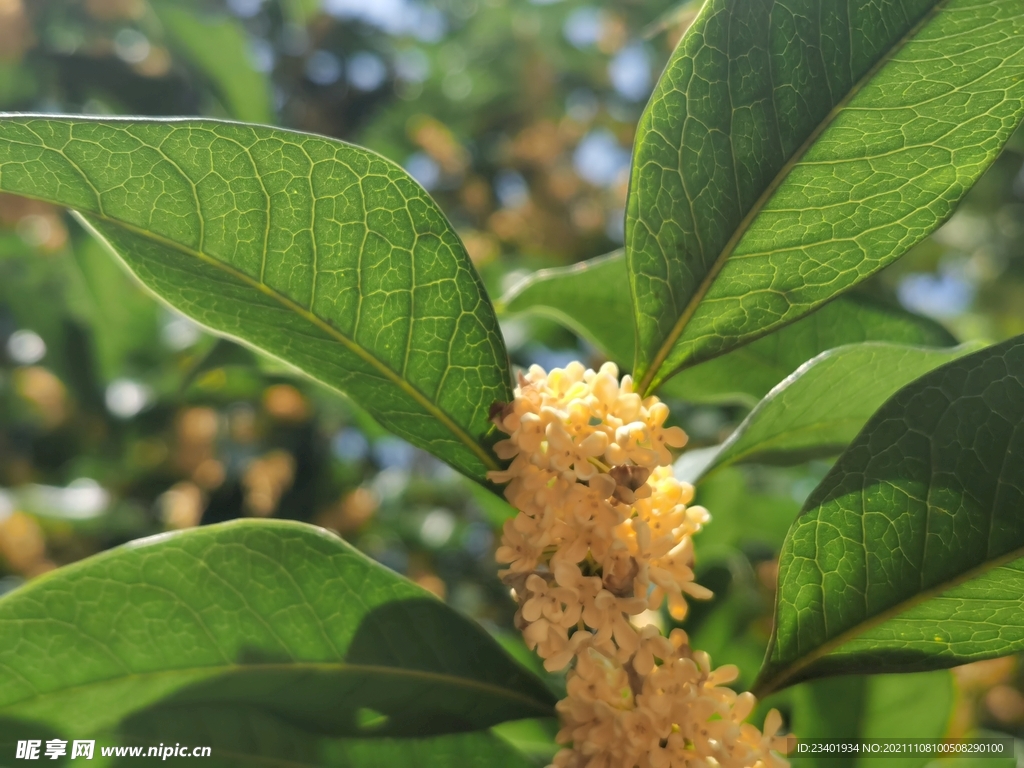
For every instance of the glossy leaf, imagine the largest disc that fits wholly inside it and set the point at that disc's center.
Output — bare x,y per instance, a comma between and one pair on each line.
316,252
787,154
278,618
820,408
220,49
910,553
590,298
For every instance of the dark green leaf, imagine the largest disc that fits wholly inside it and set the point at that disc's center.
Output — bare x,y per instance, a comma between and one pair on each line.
910,553
275,617
220,49
788,153
316,252
472,750
590,299
820,408
247,737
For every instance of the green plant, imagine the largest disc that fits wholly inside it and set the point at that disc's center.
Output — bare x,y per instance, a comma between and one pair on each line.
785,157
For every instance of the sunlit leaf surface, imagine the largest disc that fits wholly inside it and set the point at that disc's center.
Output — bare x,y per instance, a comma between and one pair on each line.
321,254
789,153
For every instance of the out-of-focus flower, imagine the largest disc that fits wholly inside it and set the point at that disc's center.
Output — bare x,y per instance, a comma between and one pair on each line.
181,506
16,34
45,392
265,481
482,247
1006,704
115,10
437,140
285,403
351,512
22,545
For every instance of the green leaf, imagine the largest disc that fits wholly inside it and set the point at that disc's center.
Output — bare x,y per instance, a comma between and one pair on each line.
493,505
219,47
787,154
590,299
277,617
916,706
818,409
533,738
248,737
122,316
472,750
748,373
910,553
323,255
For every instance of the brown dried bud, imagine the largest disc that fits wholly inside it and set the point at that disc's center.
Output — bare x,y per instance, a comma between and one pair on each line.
636,681
631,483
631,477
499,411
621,585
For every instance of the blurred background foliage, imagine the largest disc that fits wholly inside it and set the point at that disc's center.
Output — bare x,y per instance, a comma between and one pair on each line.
120,418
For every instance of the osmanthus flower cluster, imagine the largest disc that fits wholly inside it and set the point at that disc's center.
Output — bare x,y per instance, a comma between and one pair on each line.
603,534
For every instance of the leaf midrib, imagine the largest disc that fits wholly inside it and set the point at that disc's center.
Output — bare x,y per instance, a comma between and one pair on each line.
297,667
763,688
650,379
307,315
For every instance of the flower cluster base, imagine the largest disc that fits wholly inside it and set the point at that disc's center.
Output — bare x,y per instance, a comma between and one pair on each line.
603,534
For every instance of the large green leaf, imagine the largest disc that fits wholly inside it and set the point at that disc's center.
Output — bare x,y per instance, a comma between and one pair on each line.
590,298
910,553
220,49
787,153
321,254
820,407
276,618
248,737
